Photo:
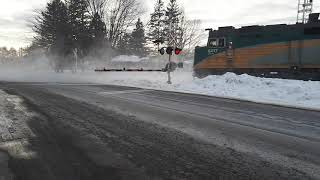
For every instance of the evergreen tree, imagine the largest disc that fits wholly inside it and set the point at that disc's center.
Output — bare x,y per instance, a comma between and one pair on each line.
156,25
98,30
124,45
97,35
138,40
173,15
54,33
52,26
79,21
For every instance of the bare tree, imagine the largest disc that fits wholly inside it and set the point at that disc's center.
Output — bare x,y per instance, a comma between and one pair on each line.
97,7
121,16
118,14
191,34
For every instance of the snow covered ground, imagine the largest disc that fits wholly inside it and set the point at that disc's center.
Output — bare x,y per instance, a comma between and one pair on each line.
274,91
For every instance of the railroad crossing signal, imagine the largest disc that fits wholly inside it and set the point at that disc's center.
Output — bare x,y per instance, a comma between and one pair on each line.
169,50
172,39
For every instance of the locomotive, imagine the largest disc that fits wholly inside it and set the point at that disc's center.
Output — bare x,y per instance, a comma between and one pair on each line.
275,51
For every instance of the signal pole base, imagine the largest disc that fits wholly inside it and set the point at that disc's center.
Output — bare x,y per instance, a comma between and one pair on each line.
169,78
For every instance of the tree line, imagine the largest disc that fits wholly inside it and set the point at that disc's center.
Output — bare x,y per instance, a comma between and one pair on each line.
81,28
9,54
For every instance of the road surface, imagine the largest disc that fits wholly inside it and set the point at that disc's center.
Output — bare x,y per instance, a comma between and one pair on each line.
89,131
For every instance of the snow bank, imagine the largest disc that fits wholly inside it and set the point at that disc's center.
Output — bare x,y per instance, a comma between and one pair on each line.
275,91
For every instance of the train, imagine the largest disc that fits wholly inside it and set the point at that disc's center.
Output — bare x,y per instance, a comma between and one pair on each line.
273,51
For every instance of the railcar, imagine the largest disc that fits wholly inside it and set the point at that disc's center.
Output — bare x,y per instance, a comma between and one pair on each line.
276,51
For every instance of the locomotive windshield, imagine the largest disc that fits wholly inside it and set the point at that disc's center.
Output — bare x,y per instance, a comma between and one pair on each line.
217,42
213,42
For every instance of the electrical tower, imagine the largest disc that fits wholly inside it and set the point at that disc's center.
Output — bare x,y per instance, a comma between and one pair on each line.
305,8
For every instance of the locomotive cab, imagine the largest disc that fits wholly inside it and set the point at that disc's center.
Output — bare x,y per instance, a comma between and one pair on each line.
220,38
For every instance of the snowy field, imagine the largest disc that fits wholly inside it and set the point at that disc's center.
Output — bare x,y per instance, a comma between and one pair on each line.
294,93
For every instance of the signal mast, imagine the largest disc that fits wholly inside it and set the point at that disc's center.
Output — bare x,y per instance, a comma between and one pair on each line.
305,8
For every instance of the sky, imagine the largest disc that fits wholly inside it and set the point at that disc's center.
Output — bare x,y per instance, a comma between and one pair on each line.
15,15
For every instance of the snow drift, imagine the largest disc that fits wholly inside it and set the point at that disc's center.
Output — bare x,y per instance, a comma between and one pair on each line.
274,91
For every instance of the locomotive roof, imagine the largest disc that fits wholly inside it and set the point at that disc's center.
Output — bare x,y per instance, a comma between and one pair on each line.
226,30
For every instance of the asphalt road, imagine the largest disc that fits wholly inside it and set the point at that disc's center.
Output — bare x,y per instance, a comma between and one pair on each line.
83,131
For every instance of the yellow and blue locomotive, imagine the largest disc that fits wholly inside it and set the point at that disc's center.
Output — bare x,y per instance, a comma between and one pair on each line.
283,51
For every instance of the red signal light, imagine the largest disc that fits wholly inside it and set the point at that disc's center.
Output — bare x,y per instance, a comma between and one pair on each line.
178,51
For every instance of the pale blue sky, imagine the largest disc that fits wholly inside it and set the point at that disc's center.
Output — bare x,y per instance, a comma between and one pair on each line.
15,14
